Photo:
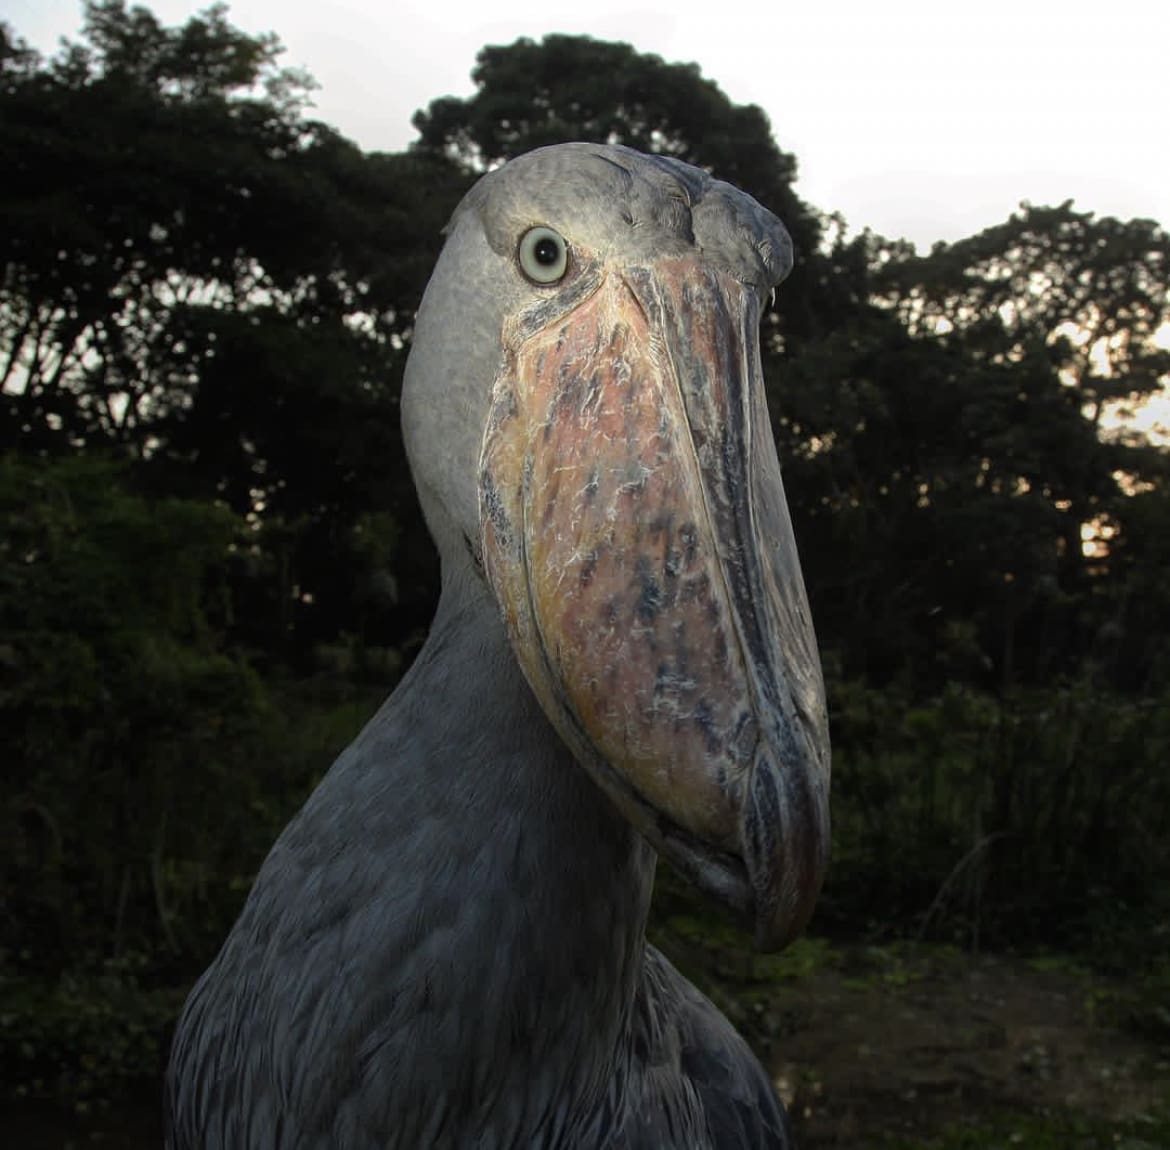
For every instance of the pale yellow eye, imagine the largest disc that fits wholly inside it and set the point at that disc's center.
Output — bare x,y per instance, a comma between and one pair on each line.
543,255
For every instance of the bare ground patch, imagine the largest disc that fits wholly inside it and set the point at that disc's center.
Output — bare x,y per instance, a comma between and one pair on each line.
869,1046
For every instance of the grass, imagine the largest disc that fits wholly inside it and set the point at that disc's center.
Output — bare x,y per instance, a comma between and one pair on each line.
1055,1131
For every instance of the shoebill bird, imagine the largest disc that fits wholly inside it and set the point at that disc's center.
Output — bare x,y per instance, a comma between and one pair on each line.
446,947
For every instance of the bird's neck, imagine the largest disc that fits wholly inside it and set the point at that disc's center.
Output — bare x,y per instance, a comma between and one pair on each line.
530,892
443,948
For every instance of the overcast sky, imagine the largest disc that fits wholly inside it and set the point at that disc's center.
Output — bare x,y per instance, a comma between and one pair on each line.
927,120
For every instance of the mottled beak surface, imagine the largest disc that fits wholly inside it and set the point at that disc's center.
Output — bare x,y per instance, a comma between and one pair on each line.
635,531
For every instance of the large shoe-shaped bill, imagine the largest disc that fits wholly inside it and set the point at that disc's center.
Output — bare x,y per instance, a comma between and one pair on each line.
635,530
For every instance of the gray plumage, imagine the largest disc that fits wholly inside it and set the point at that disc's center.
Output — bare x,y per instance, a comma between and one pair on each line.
446,946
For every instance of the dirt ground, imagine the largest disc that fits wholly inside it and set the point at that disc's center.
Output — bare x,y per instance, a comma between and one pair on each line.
872,1048
877,1044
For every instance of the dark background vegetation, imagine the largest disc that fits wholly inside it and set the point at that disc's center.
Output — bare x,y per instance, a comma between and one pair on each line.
212,565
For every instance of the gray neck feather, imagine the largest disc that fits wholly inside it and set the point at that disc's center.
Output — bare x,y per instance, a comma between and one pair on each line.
451,931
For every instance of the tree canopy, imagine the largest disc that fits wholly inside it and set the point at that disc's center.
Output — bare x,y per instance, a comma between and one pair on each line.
565,88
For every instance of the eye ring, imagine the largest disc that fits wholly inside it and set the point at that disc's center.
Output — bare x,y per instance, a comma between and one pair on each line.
543,255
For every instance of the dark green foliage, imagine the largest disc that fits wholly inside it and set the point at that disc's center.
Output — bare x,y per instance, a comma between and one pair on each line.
134,747
147,768
199,278
86,1038
993,819
952,443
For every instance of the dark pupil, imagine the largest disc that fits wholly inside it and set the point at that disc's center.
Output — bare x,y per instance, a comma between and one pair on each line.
546,251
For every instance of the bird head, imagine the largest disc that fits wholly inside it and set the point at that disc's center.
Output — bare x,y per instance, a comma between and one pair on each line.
585,413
